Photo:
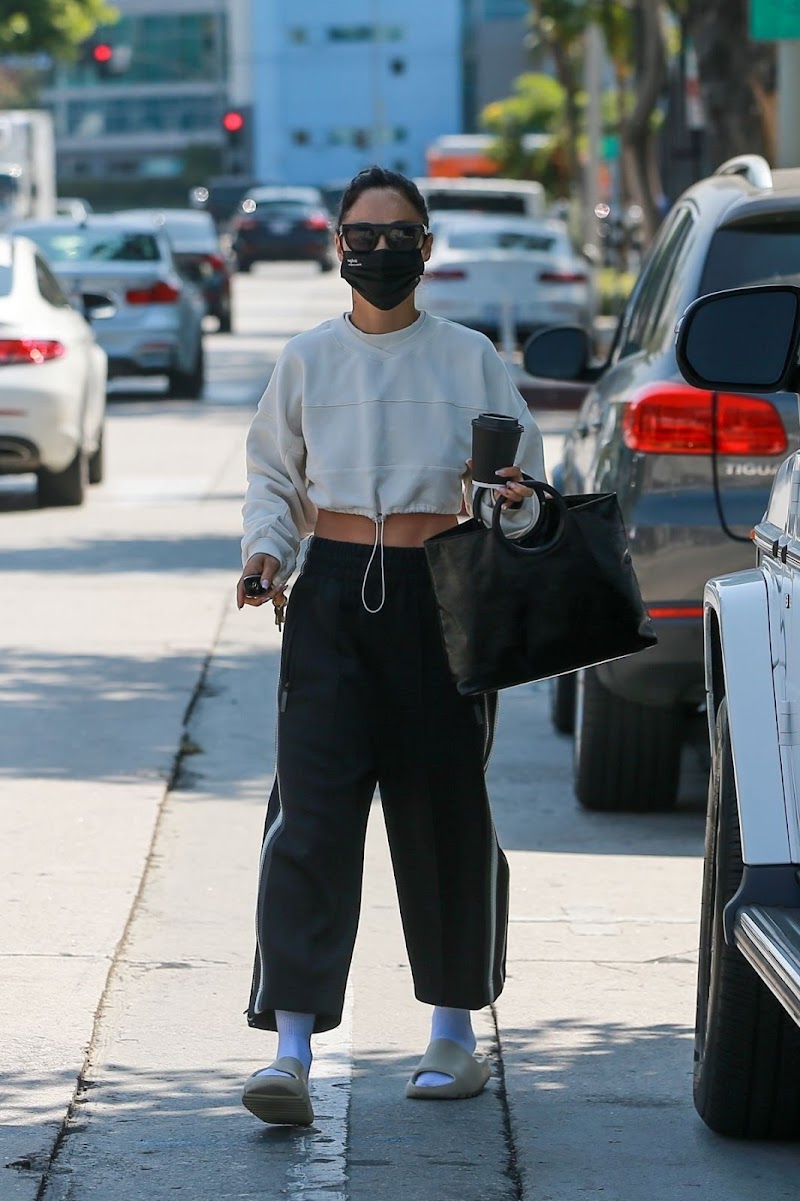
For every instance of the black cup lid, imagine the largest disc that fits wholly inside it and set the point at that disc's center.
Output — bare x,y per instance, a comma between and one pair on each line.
496,421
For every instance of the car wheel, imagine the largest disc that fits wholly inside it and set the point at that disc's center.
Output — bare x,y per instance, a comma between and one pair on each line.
627,756
188,385
244,266
67,487
225,319
326,264
97,463
747,1048
562,704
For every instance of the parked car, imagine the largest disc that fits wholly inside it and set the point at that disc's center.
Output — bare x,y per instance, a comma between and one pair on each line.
199,254
52,381
692,469
146,315
485,271
282,223
747,1040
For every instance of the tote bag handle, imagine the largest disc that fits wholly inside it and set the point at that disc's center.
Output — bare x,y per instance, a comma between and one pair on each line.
547,497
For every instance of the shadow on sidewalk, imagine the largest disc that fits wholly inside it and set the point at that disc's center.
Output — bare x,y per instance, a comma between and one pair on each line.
124,713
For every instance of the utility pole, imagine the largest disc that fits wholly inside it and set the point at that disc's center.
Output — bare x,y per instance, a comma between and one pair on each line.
593,72
788,103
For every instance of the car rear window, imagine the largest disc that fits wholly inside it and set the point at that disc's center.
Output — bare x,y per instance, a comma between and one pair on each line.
468,202
752,254
190,235
499,239
281,208
96,245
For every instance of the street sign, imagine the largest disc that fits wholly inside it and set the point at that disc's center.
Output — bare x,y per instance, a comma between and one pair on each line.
774,20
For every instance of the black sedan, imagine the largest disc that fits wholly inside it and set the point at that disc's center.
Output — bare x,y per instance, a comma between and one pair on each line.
274,224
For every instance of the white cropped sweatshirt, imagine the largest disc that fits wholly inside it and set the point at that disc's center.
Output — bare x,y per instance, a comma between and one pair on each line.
374,424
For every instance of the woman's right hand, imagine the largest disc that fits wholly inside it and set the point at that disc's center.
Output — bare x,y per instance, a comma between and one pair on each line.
266,567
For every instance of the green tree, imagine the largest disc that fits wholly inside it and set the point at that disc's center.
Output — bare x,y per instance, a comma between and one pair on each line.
535,107
634,37
52,27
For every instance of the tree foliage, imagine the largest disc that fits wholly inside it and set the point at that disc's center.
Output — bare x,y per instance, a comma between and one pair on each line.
53,27
535,107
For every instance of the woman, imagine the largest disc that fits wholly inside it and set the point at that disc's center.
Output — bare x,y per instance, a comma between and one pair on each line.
362,439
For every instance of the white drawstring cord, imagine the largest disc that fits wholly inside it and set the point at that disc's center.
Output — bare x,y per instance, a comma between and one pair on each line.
378,542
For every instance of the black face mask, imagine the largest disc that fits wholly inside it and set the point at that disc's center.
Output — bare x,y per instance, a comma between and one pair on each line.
383,277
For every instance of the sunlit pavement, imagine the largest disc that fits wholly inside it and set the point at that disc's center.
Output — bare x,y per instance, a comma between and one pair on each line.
136,751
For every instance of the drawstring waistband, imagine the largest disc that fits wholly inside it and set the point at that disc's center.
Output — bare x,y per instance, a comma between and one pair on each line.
378,543
353,563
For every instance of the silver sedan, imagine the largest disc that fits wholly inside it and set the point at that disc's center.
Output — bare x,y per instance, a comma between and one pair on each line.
146,315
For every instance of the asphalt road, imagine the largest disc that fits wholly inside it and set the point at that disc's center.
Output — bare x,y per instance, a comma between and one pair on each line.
136,744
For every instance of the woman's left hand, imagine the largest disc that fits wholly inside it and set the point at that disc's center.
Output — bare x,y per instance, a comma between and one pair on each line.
515,490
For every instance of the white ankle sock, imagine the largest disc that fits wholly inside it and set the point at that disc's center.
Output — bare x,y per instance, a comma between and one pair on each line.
294,1039
455,1024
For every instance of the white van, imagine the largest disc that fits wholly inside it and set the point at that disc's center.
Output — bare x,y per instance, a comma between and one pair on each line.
524,197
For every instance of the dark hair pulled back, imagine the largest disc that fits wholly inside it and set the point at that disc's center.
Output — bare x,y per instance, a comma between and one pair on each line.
381,177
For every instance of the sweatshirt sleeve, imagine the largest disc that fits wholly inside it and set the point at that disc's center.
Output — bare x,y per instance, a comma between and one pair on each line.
503,397
277,513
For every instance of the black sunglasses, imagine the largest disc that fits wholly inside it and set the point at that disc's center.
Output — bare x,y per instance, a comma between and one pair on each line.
362,236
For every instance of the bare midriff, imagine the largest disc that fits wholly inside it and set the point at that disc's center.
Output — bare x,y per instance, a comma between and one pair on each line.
399,529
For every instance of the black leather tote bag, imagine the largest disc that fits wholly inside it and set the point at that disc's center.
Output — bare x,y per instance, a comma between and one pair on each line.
562,597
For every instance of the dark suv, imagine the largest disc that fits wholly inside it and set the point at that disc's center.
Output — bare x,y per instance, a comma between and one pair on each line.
692,470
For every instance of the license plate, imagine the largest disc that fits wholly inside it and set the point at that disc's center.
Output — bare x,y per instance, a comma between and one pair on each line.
279,227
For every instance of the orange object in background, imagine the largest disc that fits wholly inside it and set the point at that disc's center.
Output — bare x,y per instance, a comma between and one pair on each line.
457,155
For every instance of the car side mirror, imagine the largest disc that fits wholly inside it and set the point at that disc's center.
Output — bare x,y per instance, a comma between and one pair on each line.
743,340
562,352
97,308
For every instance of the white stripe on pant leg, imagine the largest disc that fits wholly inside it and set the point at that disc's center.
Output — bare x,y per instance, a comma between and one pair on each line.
492,906
270,836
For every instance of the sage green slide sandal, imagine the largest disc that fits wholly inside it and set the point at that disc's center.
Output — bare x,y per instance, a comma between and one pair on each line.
469,1072
280,1100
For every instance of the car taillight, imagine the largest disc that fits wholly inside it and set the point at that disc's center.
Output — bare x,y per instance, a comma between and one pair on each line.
562,277
215,262
239,223
669,611
676,419
159,293
29,350
316,221
446,273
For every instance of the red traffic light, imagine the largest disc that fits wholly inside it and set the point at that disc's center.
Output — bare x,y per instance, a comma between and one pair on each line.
233,121
102,53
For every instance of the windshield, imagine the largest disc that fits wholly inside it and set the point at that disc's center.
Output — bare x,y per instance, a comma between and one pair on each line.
752,254
498,239
95,245
469,202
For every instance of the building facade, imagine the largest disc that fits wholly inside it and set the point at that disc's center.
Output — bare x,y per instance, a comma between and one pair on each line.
326,87
495,53
337,86
141,107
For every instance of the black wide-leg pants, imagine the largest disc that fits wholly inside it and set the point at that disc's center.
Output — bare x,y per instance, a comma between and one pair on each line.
365,699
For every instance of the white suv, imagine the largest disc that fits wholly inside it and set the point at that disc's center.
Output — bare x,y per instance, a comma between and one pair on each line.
747,1040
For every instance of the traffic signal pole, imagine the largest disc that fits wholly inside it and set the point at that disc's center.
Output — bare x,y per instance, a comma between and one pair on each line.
788,103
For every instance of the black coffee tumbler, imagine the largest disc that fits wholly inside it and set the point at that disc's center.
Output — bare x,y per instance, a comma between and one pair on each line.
495,439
